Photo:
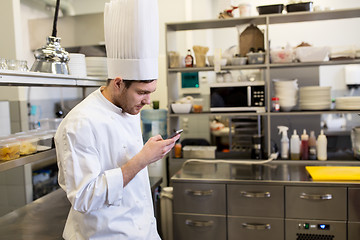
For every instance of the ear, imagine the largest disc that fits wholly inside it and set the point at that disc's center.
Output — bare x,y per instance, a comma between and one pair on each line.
118,82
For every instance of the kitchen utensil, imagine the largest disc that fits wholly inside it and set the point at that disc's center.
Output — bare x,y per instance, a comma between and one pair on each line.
355,140
270,9
299,7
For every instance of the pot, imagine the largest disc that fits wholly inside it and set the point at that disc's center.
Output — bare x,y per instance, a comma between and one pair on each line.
355,140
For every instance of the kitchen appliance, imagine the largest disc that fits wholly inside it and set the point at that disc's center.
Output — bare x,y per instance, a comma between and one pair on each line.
52,58
355,140
237,96
296,229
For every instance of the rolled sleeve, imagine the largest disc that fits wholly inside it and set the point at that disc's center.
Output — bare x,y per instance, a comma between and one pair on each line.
115,185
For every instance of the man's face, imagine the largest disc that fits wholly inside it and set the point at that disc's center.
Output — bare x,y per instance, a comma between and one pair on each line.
134,98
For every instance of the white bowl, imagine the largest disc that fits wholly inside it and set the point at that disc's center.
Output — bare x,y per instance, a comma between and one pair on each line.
181,107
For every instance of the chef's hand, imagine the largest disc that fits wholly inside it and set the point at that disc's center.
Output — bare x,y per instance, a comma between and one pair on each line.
154,149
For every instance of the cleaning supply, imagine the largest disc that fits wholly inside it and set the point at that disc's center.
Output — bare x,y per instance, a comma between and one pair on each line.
304,150
295,146
321,146
312,146
284,142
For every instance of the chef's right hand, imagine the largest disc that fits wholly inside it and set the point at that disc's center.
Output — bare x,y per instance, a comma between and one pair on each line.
156,148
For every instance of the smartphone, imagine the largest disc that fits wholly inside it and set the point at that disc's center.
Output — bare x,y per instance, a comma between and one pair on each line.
176,133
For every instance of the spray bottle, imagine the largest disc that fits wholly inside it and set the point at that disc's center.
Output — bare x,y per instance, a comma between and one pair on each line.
284,142
295,146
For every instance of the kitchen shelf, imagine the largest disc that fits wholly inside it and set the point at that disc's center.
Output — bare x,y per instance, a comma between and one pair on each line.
271,65
269,118
264,19
6,165
15,78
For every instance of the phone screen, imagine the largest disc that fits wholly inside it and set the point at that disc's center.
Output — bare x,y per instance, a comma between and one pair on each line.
176,133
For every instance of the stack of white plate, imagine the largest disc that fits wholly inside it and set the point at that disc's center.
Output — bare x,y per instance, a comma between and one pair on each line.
77,65
347,103
96,67
315,98
286,91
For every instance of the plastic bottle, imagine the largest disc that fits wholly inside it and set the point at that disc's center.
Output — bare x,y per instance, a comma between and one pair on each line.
295,146
304,146
321,147
284,142
189,59
312,146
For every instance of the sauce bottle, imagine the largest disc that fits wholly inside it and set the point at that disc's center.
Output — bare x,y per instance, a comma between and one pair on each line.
189,60
322,147
304,150
295,146
312,146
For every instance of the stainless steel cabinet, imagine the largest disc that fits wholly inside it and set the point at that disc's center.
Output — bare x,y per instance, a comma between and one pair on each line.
198,227
248,228
255,200
327,203
354,213
199,198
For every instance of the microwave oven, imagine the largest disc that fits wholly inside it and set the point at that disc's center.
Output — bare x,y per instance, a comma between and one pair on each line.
237,96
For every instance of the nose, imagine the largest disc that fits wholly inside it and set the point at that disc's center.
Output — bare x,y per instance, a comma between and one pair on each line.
146,99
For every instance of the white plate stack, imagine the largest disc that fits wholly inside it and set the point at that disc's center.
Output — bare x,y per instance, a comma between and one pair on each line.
347,103
77,65
315,98
286,91
96,67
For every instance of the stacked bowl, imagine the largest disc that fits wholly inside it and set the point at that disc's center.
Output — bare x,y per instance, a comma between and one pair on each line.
97,67
77,65
348,103
286,91
315,98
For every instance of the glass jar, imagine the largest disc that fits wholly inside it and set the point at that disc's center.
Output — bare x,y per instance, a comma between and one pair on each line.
11,64
3,65
22,66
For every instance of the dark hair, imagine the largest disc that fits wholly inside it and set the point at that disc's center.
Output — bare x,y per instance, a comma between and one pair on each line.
129,82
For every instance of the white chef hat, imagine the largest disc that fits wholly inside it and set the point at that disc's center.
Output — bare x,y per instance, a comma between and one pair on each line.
132,39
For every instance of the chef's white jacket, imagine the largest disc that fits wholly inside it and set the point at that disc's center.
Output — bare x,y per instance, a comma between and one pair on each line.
93,141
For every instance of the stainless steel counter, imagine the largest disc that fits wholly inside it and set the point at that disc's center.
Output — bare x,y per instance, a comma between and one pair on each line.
44,218
291,173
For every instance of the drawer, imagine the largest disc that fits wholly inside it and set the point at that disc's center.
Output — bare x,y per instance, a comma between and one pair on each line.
353,204
255,201
199,198
353,230
197,227
296,229
327,203
255,228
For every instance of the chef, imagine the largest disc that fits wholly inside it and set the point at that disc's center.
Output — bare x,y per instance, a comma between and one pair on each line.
101,156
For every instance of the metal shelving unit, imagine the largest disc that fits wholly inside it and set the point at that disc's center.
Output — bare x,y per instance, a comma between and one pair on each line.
6,165
14,78
172,77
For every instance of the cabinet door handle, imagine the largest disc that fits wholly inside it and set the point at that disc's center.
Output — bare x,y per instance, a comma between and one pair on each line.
255,194
256,226
199,223
249,96
316,196
199,192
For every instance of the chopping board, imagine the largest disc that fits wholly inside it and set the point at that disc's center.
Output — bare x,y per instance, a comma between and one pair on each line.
325,173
